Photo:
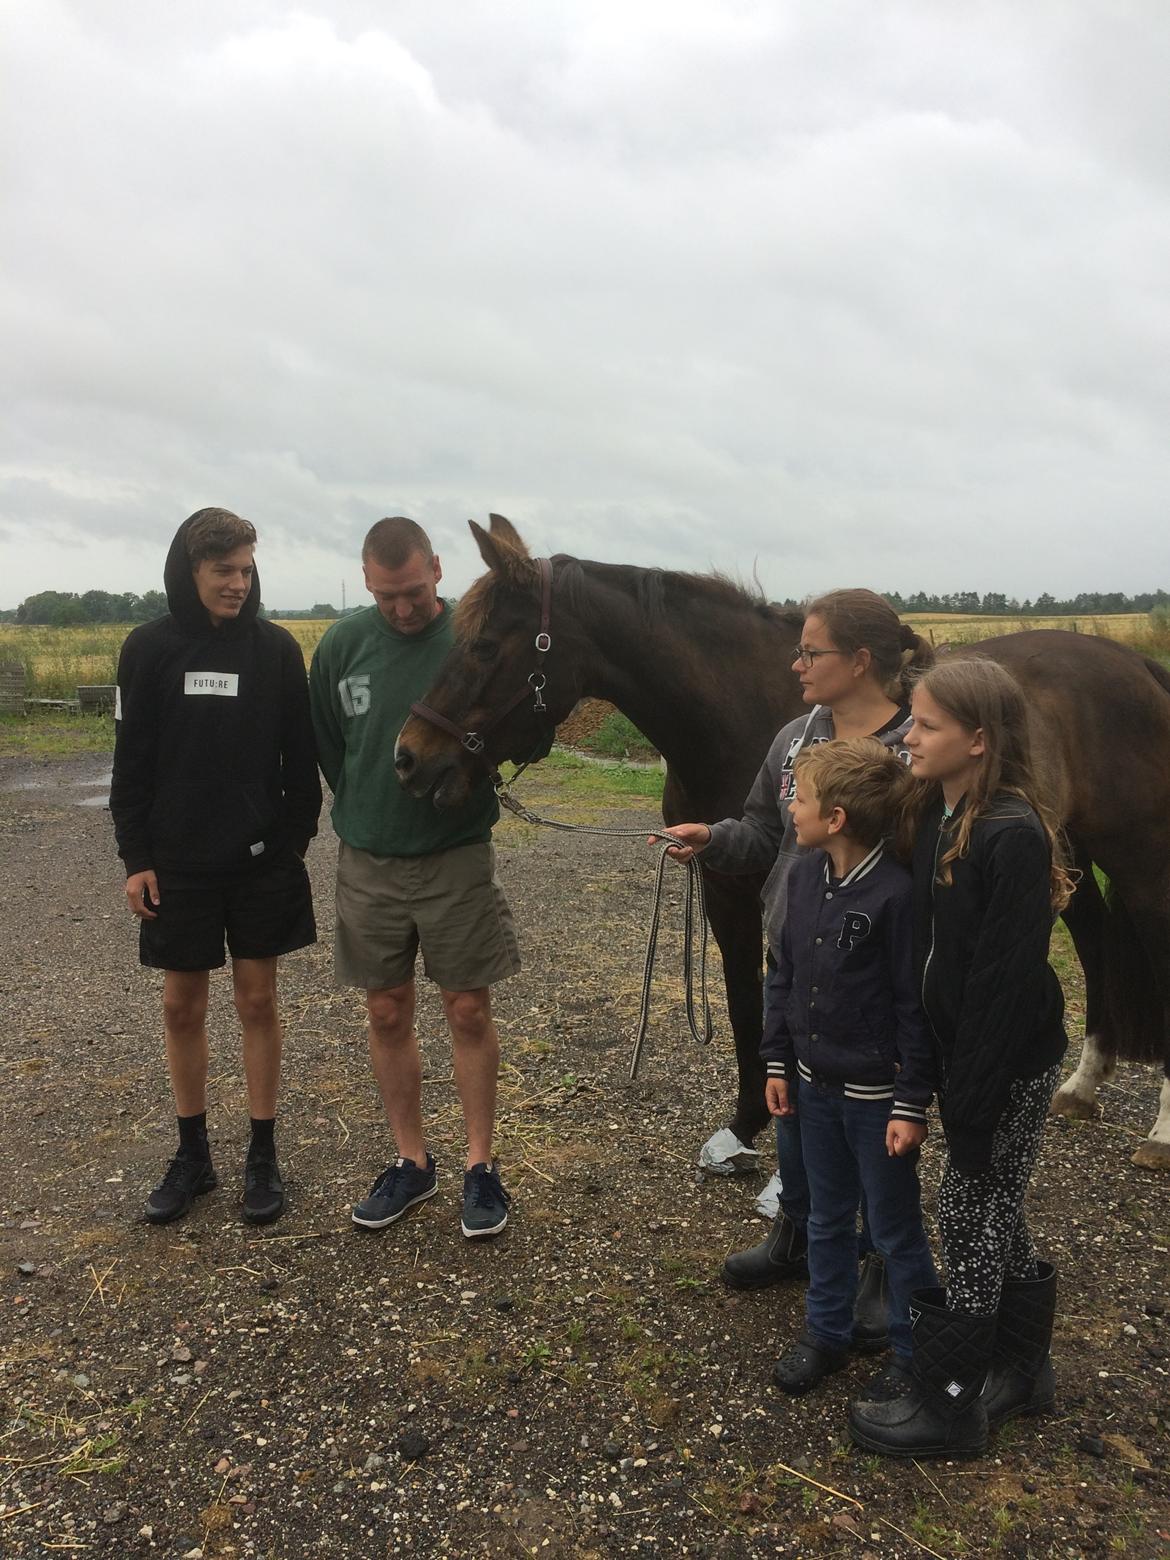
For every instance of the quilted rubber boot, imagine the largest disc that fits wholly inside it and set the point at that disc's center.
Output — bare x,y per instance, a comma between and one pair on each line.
781,1254
943,1415
1021,1379
871,1309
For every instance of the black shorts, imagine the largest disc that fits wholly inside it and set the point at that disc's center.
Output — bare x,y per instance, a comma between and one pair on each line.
262,911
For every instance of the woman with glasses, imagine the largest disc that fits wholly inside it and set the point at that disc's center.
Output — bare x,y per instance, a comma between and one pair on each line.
855,660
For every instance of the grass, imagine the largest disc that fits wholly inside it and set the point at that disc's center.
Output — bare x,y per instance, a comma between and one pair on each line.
1142,630
55,734
74,1450
57,661
618,737
580,780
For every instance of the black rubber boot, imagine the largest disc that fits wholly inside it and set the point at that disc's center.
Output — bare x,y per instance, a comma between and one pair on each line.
1021,1379
805,1363
871,1309
781,1254
943,1416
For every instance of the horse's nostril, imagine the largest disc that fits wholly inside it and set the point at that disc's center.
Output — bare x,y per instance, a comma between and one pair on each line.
404,761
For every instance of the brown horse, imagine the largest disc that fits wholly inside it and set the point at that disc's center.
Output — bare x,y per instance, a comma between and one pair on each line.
703,669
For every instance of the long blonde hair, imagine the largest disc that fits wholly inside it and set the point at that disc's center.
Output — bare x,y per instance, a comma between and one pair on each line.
982,695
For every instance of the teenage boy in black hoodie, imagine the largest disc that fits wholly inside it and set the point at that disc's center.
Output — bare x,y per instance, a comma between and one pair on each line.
215,798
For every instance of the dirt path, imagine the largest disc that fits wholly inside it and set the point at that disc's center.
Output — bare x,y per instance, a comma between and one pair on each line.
584,1386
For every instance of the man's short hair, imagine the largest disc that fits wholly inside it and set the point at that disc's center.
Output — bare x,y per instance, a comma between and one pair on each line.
213,533
392,542
862,777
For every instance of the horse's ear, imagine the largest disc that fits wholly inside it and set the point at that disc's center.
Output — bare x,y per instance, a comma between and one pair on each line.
506,534
502,549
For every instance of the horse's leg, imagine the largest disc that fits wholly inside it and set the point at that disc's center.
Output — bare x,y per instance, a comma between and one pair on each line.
1142,885
1154,1153
1154,923
733,910
1085,919
1077,1096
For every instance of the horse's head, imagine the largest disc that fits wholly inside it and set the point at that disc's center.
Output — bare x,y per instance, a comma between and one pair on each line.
498,687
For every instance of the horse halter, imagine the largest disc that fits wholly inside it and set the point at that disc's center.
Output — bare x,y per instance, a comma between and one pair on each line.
473,741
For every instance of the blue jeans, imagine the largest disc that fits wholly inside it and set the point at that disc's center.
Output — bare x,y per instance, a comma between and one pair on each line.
790,1163
844,1145
794,1182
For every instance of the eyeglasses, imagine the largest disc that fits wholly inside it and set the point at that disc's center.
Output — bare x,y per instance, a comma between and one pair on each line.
806,657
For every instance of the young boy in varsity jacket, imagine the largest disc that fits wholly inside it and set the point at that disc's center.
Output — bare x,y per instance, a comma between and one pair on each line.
215,798
843,1015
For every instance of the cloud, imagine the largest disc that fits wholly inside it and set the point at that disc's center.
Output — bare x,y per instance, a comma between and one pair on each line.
857,293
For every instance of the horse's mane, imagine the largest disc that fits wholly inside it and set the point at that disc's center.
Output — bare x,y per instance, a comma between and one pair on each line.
654,592
472,608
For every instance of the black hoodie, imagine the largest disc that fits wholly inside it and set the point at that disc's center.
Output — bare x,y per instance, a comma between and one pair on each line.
214,762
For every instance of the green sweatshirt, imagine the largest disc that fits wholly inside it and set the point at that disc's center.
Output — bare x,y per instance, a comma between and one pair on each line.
362,682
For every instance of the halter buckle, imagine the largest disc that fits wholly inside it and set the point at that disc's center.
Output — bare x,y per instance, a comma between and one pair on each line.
543,642
472,741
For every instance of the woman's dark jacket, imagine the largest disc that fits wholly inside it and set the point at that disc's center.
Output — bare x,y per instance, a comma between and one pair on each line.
214,759
981,950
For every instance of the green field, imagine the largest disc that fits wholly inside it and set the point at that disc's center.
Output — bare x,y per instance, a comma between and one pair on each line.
57,661
1131,628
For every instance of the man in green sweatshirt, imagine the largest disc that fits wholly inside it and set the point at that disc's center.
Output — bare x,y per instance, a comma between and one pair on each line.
410,876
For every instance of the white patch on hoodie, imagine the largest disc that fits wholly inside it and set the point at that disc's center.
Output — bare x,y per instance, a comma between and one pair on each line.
226,685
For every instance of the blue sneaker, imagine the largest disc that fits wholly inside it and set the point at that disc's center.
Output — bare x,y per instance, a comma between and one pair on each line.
398,1188
485,1202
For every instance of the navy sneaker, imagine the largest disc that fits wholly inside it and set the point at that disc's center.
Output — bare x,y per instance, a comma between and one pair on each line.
185,1179
398,1188
485,1202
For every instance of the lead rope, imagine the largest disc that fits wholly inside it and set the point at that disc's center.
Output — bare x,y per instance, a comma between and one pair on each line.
696,902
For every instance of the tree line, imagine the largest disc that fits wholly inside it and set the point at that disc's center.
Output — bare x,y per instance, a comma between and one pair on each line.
62,608
1088,603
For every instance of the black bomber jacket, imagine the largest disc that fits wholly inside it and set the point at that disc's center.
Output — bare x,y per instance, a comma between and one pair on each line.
992,999
842,1002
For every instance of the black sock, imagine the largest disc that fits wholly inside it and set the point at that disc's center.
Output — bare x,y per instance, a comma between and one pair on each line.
193,1136
262,1139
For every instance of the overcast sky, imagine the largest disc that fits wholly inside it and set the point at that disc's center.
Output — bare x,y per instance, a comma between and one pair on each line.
844,293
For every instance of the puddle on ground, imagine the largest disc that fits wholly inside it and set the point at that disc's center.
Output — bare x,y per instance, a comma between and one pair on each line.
97,784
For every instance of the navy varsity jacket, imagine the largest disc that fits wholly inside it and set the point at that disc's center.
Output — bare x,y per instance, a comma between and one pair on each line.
842,1001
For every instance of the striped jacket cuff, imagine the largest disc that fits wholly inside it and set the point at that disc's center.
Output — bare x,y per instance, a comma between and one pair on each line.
901,1110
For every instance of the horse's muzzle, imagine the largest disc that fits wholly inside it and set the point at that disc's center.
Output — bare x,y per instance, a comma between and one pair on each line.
443,776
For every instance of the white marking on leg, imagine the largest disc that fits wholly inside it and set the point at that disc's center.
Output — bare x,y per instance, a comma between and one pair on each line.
1161,1128
1078,1097
1154,1153
1095,1067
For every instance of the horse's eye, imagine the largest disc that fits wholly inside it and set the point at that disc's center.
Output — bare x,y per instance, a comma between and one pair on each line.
484,649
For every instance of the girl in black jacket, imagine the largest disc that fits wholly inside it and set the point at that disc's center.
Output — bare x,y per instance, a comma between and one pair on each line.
987,881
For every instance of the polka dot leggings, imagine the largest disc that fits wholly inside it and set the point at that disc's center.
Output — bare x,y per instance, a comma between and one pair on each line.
981,1217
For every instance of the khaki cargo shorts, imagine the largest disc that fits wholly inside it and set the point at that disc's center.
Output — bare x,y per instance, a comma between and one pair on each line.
450,904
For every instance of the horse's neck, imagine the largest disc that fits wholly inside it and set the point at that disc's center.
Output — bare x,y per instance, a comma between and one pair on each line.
697,683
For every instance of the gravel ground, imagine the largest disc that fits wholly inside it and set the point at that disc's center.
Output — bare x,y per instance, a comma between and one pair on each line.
584,1386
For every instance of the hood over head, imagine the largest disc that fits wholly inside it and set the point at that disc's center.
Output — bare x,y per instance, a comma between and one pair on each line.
183,598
